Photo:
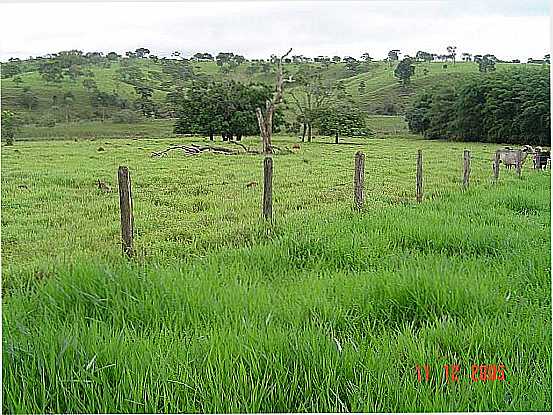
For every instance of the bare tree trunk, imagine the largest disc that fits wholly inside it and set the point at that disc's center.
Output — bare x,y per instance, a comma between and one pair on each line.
303,134
211,136
308,133
336,137
265,121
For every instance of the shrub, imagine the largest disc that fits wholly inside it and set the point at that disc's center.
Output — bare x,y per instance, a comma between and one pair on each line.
126,116
48,120
9,122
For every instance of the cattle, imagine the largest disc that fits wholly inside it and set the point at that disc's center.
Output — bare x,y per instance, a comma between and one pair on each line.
508,156
541,158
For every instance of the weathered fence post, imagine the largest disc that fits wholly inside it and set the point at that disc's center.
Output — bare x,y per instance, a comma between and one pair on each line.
125,204
359,179
518,162
496,166
419,176
466,168
268,188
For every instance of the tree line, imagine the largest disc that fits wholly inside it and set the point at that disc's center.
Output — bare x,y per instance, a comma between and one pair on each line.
511,106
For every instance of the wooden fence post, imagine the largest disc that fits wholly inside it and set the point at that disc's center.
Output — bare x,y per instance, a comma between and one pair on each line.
466,168
268,188
518,162
125,204
419,176
496,166
359,179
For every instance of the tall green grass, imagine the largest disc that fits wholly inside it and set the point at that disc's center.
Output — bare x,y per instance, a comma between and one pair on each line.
187,207
327,310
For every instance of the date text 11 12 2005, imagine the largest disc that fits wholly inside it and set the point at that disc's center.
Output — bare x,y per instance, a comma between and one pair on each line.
455,372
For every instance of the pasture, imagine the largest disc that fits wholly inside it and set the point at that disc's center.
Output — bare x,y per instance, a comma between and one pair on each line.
324,310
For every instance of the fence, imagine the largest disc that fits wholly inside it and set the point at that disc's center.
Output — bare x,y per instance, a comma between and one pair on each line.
126,205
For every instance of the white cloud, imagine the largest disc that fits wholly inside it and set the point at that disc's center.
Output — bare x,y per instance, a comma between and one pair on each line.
257,29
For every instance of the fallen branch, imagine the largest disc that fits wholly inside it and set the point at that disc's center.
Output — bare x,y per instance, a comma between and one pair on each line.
246,149
282,151
194,149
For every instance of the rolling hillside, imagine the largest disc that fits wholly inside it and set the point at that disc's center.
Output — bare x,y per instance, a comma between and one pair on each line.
375,89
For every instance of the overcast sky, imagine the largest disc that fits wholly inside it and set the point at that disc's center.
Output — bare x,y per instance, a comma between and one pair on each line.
507,28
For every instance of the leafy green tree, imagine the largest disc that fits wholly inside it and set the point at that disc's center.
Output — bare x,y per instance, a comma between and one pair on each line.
144,103
393,56
424,56
225,108
352,65
366,57
202,57
485,63
452,53
142,52
341,119
68,58
509,106
67,100
28,99
103,101
74,71
417,117
361,87
9,124
311,95
112,56
10,69
404,71
51,71
223,58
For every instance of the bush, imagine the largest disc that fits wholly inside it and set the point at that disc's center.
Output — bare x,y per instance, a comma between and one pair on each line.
9,122
387,108
126,117
48,120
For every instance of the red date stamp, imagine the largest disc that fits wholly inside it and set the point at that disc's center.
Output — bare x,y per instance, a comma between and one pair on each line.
453,373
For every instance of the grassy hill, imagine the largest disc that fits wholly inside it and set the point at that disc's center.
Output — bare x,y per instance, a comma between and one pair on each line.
381,94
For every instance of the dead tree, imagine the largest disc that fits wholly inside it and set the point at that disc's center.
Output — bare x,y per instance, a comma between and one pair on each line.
265,121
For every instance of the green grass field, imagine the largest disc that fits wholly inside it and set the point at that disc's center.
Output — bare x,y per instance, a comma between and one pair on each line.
325,310
162,128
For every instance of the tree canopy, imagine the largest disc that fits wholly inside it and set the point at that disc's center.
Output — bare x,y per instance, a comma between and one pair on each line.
511,106
404,70
226,108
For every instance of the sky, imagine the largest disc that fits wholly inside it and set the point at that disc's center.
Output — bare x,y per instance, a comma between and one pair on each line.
256,29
